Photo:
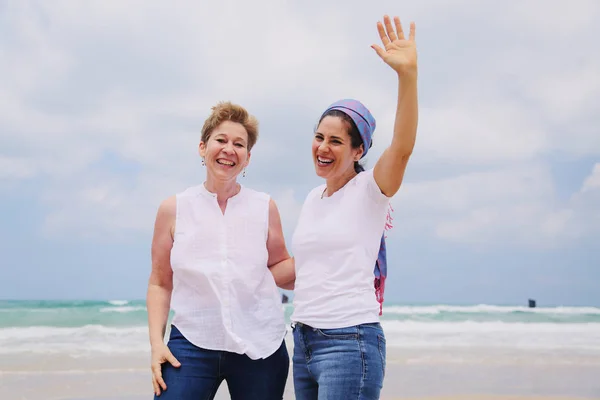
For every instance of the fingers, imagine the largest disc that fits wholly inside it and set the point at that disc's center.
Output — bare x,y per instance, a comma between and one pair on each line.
155,386
398,28
389,33
174,362
413,28
380,52
157,376
384,38
390,29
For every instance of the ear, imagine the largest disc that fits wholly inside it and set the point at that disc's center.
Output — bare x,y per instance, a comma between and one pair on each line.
202,149
359,153
248,160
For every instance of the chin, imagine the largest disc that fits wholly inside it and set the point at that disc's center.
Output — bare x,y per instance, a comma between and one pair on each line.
227,176
320,173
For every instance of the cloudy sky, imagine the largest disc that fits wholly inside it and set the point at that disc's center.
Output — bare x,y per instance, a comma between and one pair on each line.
101,105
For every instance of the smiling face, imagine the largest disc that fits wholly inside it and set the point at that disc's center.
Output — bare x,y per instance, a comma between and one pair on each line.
226,151
332,149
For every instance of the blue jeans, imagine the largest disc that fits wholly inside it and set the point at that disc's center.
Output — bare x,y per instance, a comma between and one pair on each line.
338,364
202,371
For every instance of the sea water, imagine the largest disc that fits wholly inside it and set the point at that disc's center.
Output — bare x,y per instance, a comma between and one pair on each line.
80,328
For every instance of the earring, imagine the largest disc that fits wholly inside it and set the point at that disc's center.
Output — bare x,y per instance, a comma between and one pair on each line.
203,163
244,174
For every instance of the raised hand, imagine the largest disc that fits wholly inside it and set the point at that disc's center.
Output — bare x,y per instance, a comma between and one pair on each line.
398,52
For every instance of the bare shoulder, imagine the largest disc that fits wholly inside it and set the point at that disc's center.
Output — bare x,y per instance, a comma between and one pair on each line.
274,217
166,215
168,206
272,205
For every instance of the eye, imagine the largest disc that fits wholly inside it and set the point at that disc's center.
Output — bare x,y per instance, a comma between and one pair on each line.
239,145
319,137
221,140
335,141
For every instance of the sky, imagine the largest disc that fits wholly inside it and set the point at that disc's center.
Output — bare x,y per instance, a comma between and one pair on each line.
101,106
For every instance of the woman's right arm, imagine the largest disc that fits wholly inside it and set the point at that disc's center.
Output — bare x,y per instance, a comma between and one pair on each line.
280,263
160,286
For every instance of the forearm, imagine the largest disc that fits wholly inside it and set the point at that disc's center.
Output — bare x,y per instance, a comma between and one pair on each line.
407,116
158,303
287,286
284,273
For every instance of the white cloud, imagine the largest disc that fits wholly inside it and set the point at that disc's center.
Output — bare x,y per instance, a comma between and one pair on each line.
134,80
585,206
592,182
515,206
490,133
551,19
16,168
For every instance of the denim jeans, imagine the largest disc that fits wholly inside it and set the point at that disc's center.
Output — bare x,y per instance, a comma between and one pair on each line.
202,371
338,364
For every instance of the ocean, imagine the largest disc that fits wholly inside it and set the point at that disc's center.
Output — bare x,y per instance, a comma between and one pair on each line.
88,328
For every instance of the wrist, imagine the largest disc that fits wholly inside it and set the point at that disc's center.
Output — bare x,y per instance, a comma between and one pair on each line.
156,340
408,76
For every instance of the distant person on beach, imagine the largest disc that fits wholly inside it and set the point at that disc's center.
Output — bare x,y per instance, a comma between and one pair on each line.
339,243
211,248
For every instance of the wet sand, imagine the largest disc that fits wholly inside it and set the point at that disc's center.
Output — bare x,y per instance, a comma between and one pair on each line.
442,374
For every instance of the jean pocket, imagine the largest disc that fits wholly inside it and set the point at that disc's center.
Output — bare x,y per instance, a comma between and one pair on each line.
381,344
174,333
339,333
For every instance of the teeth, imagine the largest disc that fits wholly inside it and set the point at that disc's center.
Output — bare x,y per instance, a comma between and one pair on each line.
324,160
225,162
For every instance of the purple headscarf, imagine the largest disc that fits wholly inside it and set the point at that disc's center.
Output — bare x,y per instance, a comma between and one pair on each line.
365,122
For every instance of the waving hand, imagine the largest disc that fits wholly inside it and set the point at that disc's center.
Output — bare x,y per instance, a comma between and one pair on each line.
398,52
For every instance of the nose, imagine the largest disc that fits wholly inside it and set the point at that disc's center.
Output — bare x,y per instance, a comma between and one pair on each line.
323,147
228,148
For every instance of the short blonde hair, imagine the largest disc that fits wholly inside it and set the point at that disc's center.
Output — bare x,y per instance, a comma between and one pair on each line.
227,111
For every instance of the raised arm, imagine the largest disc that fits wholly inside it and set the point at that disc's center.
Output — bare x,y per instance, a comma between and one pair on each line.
280,263
401,55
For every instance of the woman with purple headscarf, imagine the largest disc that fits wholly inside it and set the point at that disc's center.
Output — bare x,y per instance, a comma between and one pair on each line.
339,243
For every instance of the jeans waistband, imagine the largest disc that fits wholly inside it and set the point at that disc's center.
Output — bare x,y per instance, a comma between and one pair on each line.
295,324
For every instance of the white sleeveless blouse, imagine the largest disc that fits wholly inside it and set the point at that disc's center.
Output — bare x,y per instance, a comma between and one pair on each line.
224,296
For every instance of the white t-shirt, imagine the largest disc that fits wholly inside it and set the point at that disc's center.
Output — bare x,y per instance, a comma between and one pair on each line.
224,296
335,247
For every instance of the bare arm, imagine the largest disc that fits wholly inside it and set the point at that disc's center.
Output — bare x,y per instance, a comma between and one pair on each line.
284,274
280,263
160,285
401,55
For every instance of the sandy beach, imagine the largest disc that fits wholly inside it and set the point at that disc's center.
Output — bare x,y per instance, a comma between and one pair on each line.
99,350
411,374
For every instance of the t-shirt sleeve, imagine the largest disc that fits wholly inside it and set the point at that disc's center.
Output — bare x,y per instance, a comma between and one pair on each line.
373,190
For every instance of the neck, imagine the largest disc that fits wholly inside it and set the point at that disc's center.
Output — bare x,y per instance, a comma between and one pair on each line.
335,184
223,189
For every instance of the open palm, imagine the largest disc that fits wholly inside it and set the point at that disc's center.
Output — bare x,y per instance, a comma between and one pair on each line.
398,52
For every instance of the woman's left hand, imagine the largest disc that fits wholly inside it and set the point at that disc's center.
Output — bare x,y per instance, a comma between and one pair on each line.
398,52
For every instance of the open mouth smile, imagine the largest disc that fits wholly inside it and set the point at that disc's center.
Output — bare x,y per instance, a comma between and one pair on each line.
322,161
223,161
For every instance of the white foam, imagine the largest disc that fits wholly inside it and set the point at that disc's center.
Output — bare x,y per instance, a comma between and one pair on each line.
74,341
485,308
32,310
493,334
122,309
91,339
118,302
